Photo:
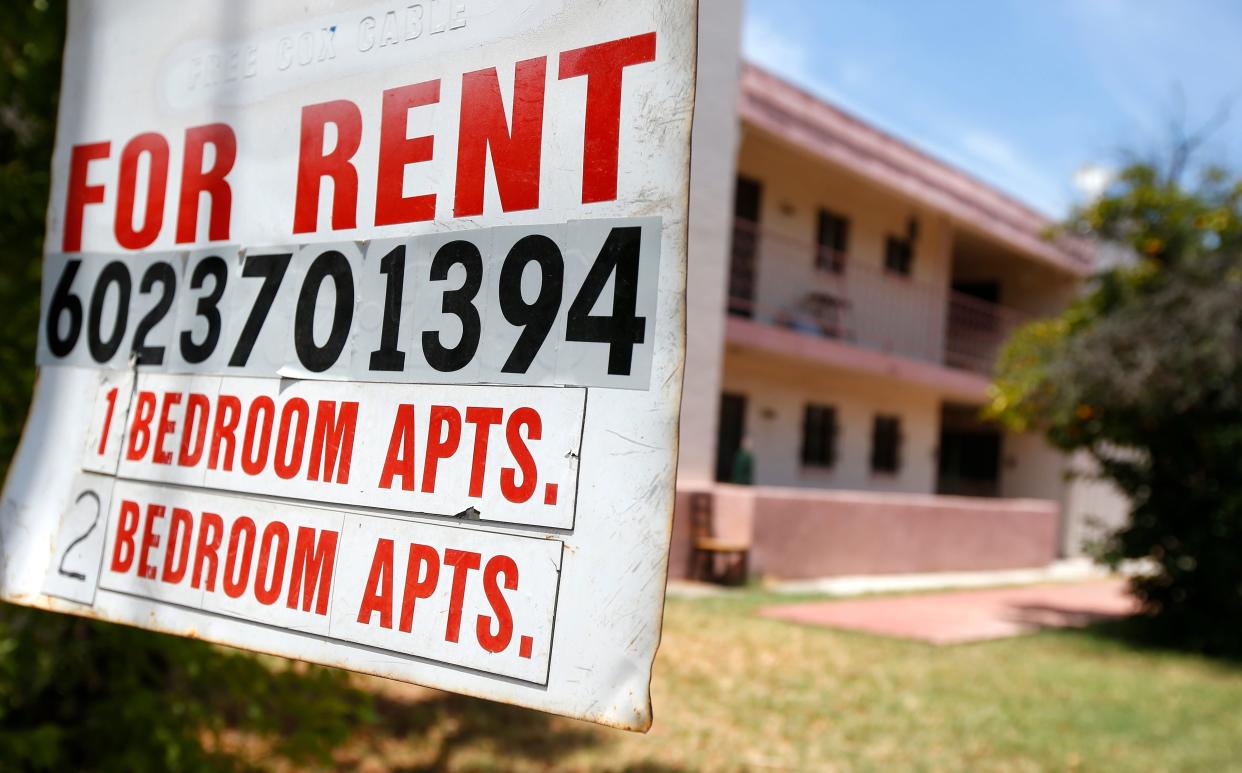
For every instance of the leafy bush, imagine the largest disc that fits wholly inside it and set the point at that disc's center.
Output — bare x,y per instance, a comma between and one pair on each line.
30,45
77,694
1145,374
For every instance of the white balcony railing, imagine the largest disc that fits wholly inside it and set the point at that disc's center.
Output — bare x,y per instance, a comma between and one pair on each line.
862,305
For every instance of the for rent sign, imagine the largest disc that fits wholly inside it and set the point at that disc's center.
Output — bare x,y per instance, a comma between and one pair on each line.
362,337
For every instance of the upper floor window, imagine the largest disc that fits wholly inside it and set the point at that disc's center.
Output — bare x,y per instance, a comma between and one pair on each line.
832,241
898,254
899,250
886,444
819,436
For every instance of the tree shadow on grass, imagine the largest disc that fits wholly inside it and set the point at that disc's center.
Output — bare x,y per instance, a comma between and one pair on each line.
1142,633
458,722
1055,616
456,726
81,693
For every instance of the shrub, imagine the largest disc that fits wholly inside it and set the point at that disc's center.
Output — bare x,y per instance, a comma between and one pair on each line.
1145,374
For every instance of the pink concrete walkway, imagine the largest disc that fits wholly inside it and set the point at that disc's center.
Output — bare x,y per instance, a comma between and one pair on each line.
962,616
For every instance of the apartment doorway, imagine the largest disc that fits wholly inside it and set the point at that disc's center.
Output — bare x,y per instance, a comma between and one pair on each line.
976,329
988,292
746,207
729,433
970,453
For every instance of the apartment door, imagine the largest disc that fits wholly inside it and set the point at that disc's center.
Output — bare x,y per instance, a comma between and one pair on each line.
746,207
970,453
975,330
988,292
729,433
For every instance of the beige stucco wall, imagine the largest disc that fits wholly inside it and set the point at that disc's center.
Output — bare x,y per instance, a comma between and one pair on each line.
778,390
891,313
1027,285
904,315
1031,468
1091,508
713,155
1094,508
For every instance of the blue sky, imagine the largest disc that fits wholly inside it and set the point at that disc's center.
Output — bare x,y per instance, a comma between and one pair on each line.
1021,93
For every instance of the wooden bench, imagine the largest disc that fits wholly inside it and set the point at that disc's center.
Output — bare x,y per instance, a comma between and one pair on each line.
706,547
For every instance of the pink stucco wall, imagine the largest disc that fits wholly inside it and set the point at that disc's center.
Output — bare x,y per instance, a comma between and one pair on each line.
800,534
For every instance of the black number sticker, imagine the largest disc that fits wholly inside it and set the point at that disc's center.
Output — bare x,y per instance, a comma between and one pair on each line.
103,349
163,274
537,317
64,302
460,303
272,268
207,307
621,330
388,357
315,358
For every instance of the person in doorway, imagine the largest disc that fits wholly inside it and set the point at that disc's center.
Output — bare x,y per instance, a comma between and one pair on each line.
743,472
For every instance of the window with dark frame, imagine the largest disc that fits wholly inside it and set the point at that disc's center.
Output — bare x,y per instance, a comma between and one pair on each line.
898,254
886,444
832,241
819,436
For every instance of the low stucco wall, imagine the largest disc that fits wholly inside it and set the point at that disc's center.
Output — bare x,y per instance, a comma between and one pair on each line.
800,534
679,550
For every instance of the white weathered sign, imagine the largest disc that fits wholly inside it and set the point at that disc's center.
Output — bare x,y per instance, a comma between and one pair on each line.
362,337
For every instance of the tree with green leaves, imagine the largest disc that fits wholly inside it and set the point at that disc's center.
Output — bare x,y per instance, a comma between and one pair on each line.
1144,373
30,47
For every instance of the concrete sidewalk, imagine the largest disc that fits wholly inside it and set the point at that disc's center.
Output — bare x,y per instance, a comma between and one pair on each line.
973,615
1065,570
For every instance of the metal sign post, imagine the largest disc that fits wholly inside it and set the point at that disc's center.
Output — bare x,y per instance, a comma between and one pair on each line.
362,338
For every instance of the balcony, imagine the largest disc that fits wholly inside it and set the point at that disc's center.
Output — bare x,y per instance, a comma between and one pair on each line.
820,294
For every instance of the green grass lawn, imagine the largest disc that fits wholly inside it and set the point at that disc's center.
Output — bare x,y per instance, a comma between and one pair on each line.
733,691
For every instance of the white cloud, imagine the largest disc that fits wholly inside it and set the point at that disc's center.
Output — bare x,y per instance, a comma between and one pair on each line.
995,151
1092,179
996,161
970,147
1010,167
774,50
764,44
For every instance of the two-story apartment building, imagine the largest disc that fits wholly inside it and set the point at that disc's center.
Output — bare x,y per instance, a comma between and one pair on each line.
845,310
